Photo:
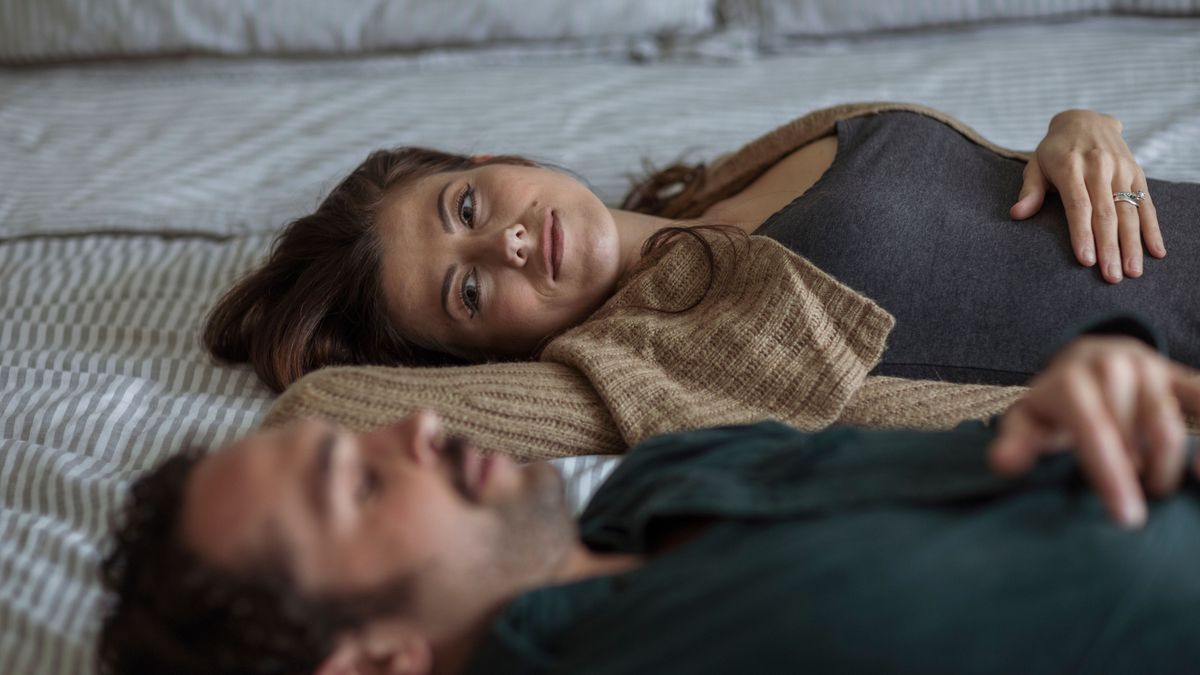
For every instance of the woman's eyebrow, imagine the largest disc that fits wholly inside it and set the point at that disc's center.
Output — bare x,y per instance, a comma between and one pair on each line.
446,281
449,277
442,211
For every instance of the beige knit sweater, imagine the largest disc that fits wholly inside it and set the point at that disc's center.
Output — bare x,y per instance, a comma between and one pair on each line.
775,337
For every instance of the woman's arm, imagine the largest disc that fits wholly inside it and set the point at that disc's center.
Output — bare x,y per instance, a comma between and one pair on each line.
1085,158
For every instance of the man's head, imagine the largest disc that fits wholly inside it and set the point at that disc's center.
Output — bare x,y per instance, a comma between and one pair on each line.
308,548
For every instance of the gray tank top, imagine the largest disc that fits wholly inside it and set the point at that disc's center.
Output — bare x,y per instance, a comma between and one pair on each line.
915,216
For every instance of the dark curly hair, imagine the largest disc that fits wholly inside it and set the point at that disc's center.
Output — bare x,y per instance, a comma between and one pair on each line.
168,611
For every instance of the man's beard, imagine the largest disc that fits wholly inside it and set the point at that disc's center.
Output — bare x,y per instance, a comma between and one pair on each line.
539,531
536,529
453,452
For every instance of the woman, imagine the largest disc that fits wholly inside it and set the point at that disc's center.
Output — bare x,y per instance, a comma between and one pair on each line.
422,258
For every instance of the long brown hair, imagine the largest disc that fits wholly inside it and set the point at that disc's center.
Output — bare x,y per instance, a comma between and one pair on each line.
316,300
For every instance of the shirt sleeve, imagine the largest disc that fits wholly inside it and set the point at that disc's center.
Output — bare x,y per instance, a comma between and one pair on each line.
1127,325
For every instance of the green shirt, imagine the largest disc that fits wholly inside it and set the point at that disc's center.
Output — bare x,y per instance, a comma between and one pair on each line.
862,551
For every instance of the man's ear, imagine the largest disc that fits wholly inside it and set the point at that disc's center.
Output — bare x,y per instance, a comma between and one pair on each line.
394,651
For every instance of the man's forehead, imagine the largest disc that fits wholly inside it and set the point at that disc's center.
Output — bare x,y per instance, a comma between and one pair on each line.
232,495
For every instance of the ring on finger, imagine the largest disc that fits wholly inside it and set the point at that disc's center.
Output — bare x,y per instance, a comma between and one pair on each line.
1134,198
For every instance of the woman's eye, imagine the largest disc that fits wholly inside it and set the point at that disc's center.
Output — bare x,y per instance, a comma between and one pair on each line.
369,486
466,206
470,293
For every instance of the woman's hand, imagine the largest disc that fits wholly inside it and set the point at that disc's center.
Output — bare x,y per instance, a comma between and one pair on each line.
1120,404
1084,157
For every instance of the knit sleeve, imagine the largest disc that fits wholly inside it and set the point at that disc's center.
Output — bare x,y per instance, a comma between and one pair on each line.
899,403
767,335
895,402
531,411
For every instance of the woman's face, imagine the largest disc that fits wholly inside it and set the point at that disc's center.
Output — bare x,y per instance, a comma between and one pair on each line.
491,260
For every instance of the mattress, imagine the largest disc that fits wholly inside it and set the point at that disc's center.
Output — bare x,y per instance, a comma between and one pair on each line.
132,193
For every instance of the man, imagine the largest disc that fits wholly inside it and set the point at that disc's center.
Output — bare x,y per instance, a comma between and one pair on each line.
752,549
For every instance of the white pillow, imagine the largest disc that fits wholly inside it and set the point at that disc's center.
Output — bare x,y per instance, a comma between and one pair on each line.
32,30
838,17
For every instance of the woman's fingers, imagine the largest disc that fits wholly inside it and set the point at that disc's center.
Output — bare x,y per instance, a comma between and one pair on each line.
1033,192
1151,233
1129,230
1085,158
1078,206
1104,222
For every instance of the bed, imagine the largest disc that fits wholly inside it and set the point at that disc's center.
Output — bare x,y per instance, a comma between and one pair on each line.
133,190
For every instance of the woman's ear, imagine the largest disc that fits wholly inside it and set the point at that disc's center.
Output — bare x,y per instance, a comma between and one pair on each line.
393,650
480,159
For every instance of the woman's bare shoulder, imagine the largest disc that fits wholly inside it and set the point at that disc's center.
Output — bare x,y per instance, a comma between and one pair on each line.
789,178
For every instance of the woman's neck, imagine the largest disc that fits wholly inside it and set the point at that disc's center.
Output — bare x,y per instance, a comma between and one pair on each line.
633,229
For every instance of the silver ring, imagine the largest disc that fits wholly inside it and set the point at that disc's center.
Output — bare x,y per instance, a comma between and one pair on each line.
1134,198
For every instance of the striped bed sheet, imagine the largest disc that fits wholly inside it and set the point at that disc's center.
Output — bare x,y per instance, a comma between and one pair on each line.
131,194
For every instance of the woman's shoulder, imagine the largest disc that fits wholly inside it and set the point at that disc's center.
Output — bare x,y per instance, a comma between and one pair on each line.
688,192
783,182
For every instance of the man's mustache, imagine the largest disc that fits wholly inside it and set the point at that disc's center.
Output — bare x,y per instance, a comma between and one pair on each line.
453,452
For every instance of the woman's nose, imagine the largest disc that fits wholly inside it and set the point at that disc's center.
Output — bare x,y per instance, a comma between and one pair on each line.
514,245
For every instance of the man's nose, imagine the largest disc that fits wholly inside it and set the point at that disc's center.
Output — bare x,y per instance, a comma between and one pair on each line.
514,245
417,436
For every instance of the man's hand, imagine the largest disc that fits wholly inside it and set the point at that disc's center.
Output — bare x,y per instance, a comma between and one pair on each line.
1085,158
1120,404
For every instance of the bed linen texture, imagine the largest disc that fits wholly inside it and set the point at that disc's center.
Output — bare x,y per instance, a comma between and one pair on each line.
131,194
775,19
73,29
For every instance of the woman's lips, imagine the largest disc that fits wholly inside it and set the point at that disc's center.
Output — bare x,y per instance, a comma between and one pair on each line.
546,241
557,246
552,244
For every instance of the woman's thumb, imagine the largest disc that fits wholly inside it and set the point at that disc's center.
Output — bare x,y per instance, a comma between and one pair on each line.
1033,193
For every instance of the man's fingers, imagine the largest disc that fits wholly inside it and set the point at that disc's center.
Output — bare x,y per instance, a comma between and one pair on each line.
1033,193
1102,453
1079,218
1104,224
1018,443
1162,433
1185,384
1151,232
1118,377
